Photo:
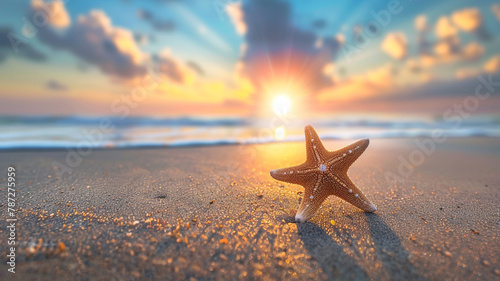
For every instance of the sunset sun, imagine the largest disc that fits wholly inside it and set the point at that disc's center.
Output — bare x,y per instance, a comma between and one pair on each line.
282,105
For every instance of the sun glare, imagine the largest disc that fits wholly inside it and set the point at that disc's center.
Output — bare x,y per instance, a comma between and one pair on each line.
279,133
282,105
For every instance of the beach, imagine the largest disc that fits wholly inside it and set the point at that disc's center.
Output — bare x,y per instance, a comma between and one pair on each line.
211,213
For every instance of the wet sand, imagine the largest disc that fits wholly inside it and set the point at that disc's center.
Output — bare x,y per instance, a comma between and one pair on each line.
215,213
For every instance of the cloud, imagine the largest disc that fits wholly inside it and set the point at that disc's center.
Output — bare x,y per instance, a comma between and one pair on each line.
379,89
244,87
95,40
235,12
81,66
328,69
428,60
467,19
157,24
445,29
414,65
470,20
492,65
144,14
173,69
56,86
448,47
368,84
464,73
140,38
395,45
473,51
196,67
446,51
340,38
167,25
164,25
24,50
448,44
495,8
423,44
382,76
448,41
319,23
235,103
421,23
437,88
279,55
54,11
431,96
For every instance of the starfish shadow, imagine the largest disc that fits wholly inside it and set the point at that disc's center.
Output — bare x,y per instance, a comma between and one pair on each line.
390,250
336,264
285,218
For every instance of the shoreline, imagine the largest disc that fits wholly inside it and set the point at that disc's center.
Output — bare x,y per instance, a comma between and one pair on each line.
167,146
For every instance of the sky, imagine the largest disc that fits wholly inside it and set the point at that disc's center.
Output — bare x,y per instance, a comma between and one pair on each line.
238,58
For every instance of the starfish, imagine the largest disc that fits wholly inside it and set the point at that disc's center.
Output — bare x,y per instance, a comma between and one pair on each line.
323,174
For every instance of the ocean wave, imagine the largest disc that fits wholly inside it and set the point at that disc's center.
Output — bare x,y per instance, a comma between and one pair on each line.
121,122
79,132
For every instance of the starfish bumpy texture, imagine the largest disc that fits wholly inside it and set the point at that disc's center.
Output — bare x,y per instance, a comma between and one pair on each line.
325,173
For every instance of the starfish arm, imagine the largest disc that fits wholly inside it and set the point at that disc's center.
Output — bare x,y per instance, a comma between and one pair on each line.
315,150
314,196
349,192
343,158
302,174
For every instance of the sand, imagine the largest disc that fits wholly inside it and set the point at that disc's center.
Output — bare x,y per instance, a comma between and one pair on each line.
215,213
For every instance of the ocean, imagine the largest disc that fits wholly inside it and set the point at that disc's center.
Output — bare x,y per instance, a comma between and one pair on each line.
42,132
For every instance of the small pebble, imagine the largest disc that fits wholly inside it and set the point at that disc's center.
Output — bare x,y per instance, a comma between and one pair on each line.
447,253
61,246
